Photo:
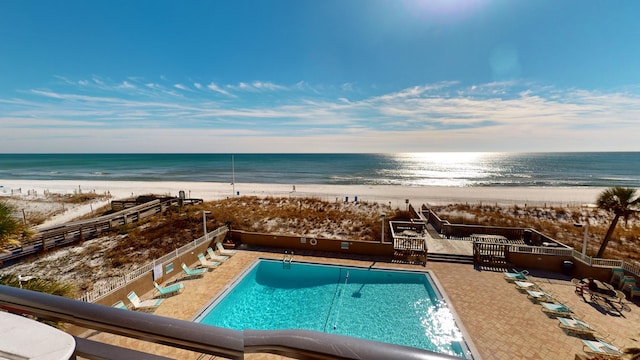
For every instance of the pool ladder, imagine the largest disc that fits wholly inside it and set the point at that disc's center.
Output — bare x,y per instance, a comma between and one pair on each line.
287,259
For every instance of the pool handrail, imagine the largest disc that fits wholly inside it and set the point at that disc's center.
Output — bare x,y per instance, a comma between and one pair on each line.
202,338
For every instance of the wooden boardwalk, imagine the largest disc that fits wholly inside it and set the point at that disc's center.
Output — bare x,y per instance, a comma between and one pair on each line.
71,232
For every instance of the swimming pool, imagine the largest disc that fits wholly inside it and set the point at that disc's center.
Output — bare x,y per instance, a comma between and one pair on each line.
398,307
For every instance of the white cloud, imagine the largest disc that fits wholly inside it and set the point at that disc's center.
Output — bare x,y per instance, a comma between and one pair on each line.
434,115
256,86
347,87
127,85
267,86
216,88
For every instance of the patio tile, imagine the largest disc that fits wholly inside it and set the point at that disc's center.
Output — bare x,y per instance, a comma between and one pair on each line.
502,322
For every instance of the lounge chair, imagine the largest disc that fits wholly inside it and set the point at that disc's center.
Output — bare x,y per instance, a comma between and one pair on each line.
206,263
616,274
224,251
147,305
558,310
120,305
576,326
525,285
215,257
513,276
628,283
539,296
169,290
601,348
633,290
625,281
193,272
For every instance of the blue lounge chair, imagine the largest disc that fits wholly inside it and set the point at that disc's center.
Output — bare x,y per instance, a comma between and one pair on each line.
193,272
214,257
599,347
616,274
576,326
147,305
539,296
120,305
169,290
556,309
625,281
633,290
525,285
513,276
206,263
224,251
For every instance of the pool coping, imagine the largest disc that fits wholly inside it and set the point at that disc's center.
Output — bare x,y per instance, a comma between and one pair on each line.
467,340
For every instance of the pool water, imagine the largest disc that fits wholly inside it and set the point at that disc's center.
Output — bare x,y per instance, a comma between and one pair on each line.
398,307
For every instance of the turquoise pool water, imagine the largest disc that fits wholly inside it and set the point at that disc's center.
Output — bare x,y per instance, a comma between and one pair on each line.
399,307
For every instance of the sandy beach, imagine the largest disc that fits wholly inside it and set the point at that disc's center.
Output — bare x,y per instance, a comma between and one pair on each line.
395,195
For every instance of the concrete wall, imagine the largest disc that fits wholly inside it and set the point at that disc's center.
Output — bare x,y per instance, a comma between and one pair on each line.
555,264
287,242
540,262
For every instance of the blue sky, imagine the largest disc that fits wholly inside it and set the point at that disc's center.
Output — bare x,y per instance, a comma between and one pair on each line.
319,76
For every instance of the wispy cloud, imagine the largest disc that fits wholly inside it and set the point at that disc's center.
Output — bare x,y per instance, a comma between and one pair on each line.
267,86
494,116
216,88
256,86
127,85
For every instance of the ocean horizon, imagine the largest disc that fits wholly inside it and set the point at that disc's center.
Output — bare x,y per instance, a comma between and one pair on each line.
458,169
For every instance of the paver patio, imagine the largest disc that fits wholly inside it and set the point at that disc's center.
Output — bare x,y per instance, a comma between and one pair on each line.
502,323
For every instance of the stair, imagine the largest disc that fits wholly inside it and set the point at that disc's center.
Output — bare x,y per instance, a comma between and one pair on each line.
451,258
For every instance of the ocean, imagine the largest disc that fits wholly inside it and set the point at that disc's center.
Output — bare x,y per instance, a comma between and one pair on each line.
595,169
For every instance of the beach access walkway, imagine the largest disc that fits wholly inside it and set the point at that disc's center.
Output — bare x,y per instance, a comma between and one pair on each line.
437,245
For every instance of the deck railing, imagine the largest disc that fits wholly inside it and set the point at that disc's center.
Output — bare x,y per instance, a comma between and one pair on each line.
182,334
455,231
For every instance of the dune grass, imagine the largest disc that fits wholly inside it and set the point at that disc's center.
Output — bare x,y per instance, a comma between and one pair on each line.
156,236
48,286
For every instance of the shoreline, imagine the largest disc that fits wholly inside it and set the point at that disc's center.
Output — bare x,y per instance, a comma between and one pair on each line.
395,195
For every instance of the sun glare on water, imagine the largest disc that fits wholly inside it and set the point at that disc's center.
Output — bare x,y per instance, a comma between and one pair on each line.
445,169
447,157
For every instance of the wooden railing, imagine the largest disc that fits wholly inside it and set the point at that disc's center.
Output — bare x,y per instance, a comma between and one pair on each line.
464,232
409,243
71,232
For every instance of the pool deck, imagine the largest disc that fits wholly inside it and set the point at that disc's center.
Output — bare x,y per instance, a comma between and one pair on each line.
502,323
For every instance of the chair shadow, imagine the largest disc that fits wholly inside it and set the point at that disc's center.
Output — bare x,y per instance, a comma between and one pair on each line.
606,307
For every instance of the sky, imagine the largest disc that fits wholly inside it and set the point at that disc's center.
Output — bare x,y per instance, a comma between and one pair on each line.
330,76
